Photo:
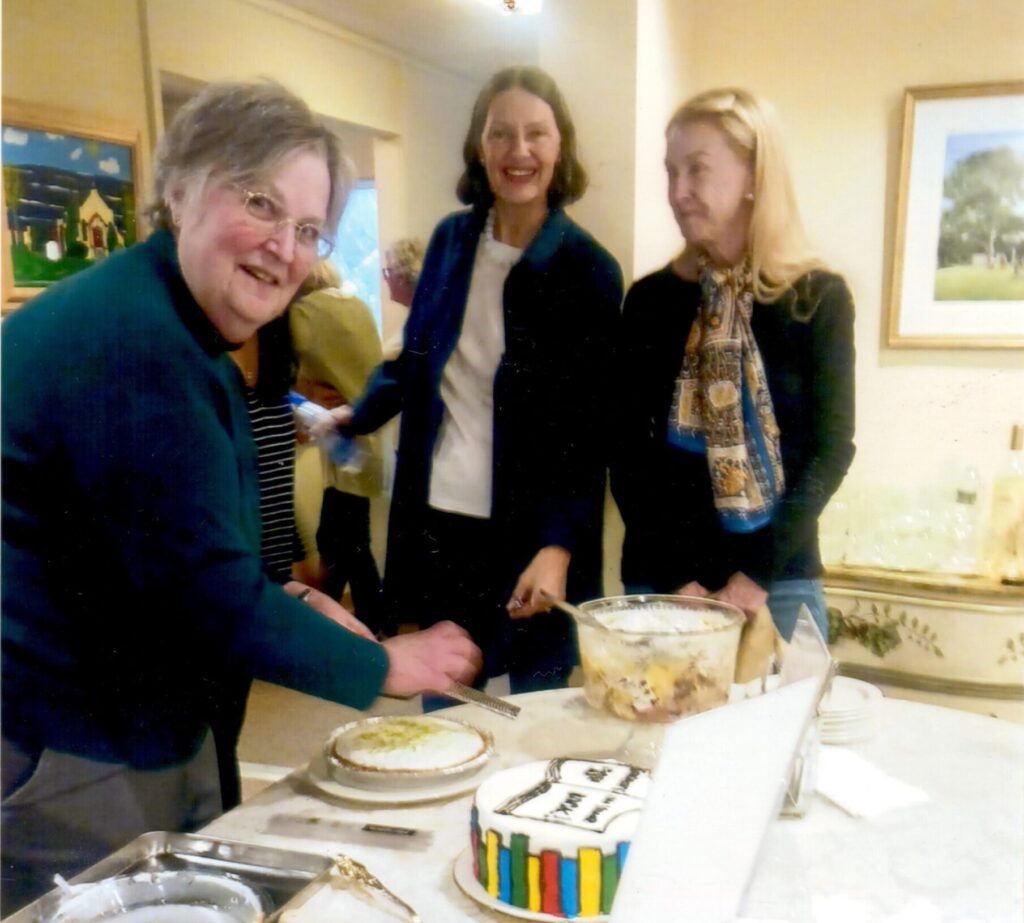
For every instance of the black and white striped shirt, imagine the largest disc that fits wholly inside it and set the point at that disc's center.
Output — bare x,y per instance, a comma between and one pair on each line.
273,429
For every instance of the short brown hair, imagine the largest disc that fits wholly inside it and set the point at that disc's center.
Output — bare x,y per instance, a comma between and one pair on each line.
570,179
243,132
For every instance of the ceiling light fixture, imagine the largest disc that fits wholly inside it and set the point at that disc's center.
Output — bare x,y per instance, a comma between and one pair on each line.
518,7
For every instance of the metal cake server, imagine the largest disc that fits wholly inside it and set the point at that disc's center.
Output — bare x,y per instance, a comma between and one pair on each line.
472,696
356,872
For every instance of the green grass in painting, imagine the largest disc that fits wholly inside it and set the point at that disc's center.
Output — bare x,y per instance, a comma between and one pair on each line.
978,283
33,270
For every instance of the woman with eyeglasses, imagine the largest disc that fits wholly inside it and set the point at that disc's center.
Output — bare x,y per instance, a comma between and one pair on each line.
502,385
133,588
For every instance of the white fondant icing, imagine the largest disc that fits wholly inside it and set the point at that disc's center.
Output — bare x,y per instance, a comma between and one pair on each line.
564,805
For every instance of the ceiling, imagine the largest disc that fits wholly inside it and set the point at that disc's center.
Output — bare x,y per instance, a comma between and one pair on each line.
466,37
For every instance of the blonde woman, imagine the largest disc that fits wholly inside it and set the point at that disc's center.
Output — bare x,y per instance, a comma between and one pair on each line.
737,363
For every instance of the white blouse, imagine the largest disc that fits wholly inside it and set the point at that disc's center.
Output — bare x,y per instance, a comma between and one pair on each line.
462,469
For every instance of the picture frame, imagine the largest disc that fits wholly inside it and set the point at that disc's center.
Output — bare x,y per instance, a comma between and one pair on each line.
958,266
61,170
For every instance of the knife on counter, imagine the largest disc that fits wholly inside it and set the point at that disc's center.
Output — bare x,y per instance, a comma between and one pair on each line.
338,830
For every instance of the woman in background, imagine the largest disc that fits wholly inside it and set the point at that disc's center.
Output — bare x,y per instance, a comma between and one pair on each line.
736,362
501,385
403,264
337,347
266,362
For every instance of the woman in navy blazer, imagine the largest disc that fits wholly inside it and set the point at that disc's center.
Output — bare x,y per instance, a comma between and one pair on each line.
502,384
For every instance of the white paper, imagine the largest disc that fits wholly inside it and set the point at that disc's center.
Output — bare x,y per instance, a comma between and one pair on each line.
860,788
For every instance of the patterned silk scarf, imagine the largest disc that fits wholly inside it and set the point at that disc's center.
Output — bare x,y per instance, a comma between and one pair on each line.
722,406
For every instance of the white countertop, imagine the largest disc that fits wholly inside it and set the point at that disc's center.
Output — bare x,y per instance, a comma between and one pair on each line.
958,858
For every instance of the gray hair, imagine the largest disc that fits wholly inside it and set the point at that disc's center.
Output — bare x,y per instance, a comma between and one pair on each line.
242,132
405,257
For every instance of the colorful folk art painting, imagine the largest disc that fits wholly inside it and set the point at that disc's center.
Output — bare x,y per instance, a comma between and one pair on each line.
69,201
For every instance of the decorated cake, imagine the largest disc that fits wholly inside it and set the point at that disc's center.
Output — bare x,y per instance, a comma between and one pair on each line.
552,836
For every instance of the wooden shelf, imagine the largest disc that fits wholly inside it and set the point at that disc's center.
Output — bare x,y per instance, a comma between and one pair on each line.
980,590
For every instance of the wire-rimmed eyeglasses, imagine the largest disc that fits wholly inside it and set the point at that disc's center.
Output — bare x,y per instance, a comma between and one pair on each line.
268,212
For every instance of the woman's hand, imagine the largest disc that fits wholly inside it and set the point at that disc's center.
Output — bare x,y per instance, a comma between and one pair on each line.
430,660
693,589
547,571
342,417
326,606
743,593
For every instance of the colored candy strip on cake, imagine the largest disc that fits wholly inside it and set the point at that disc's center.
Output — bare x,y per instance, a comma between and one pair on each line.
551,883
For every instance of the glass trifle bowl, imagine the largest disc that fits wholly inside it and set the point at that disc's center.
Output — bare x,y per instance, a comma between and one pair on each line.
657,657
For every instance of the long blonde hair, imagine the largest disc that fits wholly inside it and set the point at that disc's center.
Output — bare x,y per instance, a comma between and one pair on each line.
778,246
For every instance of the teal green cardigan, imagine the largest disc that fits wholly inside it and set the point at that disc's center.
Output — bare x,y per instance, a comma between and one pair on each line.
132,588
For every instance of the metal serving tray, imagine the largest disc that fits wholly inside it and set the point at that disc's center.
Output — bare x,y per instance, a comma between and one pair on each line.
277,875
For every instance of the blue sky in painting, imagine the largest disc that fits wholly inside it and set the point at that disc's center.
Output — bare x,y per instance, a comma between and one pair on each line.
28,147
960,146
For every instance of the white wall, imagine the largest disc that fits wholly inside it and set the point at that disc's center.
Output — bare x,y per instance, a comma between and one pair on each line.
436,115
663,76
591,53
338,75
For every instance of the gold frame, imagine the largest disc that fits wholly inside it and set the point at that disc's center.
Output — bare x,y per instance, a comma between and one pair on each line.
19,114
897,336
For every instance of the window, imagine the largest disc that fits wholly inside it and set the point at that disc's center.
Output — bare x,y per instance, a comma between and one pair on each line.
355,251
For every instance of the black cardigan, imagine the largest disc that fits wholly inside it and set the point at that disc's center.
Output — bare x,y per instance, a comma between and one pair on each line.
561,307
673,534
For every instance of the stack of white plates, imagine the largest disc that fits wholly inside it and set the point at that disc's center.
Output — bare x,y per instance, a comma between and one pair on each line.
849,711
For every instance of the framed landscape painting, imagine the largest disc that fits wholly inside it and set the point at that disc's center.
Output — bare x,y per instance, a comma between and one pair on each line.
958,269
70,196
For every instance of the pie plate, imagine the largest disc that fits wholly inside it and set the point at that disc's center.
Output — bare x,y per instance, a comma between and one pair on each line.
392,752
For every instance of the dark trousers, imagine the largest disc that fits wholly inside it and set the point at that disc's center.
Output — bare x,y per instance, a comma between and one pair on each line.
343,541
63,813
466,574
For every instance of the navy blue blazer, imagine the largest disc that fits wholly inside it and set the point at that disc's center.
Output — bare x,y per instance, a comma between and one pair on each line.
551,391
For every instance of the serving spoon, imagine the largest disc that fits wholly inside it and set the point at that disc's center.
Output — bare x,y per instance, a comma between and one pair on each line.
567,607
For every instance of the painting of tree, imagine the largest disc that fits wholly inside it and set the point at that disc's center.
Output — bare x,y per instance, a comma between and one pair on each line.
981,231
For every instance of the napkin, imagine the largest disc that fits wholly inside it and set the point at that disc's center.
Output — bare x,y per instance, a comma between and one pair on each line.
860,788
